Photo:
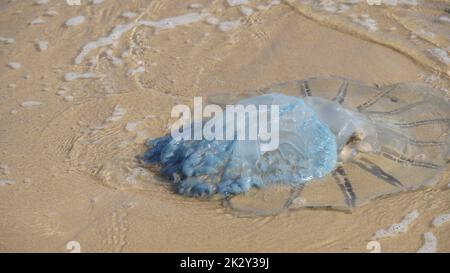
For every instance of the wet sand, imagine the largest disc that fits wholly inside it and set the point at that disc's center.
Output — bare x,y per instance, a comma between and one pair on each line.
68,147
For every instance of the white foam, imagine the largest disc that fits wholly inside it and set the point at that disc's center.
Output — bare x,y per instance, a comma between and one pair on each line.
68,98
400,2
233,3
441,219
75,21
196,6
116,60
117,114
229,25
212,20
14,65
352,2
129,14
440,54
173,22
125,54
96,2
329,6
42,2
51,13
266,7
5,182
425,33
7,40
365,21
136,70
31,103
12,85
246,11
397,228
61,92
388,2
444,19
41,45
72,76
37,21
431,78
119,30
430,243
343,8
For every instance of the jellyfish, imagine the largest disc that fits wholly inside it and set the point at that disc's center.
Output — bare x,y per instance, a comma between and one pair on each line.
342,143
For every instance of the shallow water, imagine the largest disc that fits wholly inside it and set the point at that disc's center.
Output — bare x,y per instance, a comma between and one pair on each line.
72,167
418,29
390,30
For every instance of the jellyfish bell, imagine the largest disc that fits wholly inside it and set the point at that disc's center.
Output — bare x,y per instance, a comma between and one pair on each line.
354,132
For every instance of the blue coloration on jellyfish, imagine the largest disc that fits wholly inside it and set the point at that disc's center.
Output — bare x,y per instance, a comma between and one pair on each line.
307,150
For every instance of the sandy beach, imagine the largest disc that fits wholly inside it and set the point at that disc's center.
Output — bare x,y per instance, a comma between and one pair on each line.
82,87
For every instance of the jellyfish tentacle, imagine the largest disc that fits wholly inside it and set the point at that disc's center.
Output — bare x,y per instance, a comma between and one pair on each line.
397,110
423,143
422,122
373,100
419,143
402,159
342,92
296,191
345,185
376,170
305,89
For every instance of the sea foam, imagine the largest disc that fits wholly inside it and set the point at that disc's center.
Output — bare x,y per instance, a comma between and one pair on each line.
119,30
429,244
397,228
441,219
75,21
5,182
